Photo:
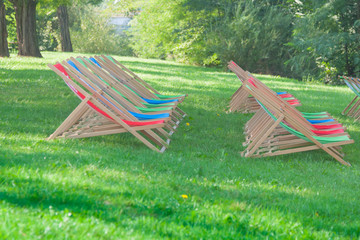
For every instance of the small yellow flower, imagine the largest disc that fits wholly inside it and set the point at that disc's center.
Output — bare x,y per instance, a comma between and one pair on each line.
316,214
184,196
218,115
187,124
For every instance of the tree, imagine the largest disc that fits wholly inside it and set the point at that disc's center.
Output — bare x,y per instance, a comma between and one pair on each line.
25,14
4,50
326,39
211,32
63,16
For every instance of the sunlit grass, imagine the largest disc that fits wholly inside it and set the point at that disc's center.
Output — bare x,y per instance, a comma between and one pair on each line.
113,187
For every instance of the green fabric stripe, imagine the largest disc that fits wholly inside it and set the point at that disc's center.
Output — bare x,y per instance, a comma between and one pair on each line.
314,116
153,110
157,105
109,57
81,61
318,113
323,140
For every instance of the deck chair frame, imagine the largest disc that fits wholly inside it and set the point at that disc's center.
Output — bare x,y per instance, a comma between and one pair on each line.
284,112
144,133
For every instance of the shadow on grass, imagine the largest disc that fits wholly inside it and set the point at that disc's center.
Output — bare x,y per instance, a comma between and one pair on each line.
93,201
113,206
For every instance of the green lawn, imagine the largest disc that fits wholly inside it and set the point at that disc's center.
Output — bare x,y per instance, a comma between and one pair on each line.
114,187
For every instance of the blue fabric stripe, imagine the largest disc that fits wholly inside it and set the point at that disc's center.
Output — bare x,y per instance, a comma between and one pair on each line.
94,61
73,65
159,101
321,121
151,116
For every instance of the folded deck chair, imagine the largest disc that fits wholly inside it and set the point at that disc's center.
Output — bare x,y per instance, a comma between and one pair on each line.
300,134
139,89
140,86
242,102
146,103
120,93
95,80
353,108
316,118
133,77
313,118
98,114
148,108
95,66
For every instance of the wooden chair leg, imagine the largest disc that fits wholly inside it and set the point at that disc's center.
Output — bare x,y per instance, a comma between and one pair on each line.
348,106
71,119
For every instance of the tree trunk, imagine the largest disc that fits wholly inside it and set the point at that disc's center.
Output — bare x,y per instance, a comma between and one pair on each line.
4,50
25,15
63,17
348,64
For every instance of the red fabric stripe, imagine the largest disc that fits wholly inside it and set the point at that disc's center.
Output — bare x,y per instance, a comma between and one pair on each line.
130,123
318,132
250,80
286,95
61,69
327,126
133,124
293,103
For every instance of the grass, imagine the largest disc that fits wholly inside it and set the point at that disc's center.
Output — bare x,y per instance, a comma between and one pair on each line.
113,187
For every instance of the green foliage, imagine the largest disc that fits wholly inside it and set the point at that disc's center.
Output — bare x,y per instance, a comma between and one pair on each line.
92,33
47,28
114,187
326,40
214,32
11,23
170,29
152,29
255,36
123,7
305,39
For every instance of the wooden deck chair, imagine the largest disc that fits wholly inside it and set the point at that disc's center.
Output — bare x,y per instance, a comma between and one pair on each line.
138,88
303,136
353,108
133,77
260,117
146,109
320,120
97,83
118,92
320,131
141,87
115,80
323,118
242,102
96,115
132,85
